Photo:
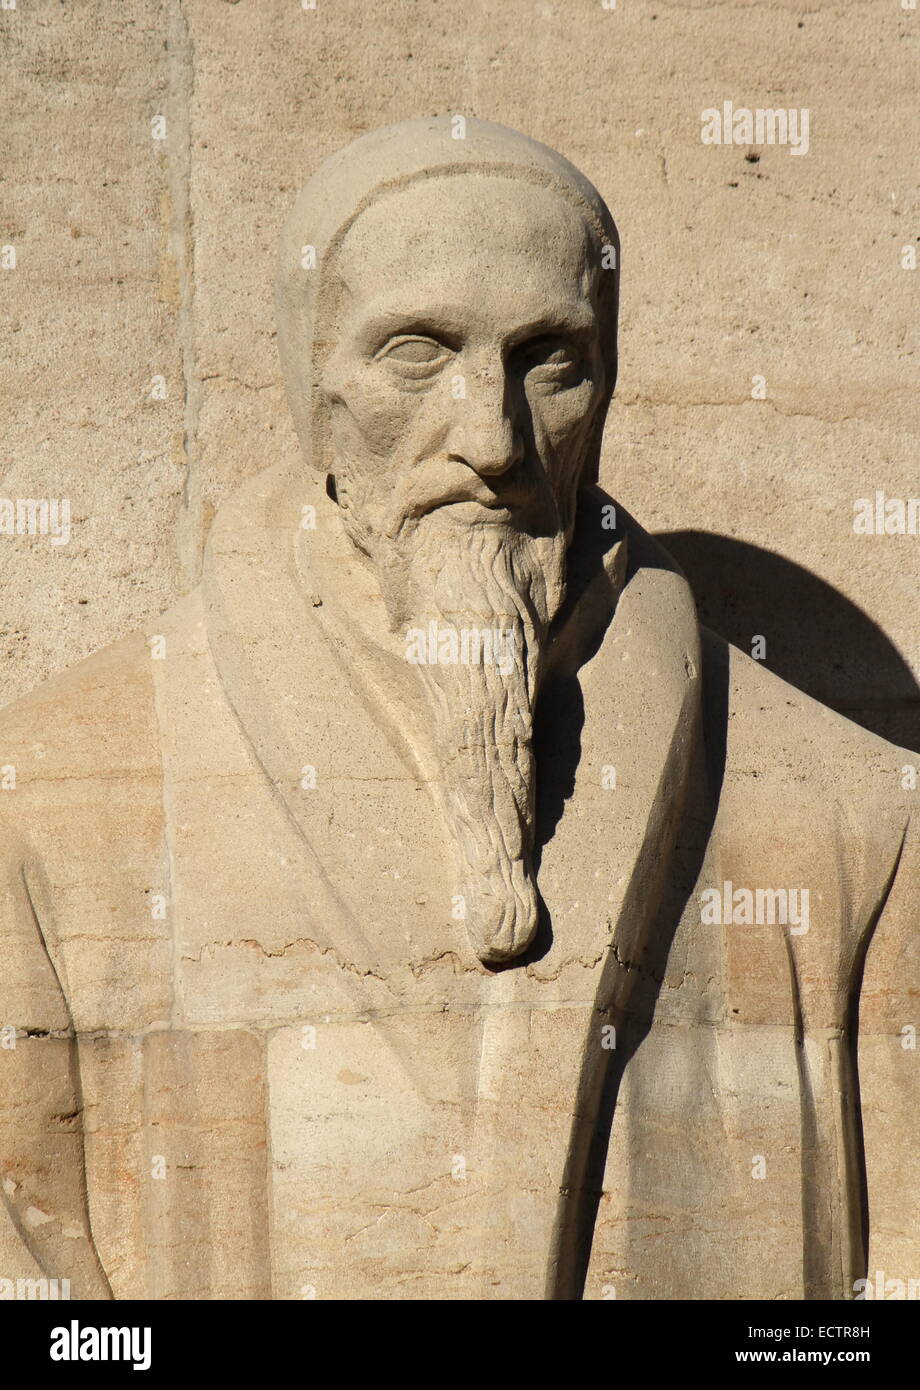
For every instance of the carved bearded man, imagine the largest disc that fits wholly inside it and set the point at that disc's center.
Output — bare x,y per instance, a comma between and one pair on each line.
425,907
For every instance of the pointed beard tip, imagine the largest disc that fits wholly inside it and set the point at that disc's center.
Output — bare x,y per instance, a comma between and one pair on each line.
492,954
506,945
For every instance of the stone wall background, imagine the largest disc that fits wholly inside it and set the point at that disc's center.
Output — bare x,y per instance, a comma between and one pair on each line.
138,257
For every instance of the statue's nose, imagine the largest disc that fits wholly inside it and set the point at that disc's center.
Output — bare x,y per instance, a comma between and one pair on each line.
483,435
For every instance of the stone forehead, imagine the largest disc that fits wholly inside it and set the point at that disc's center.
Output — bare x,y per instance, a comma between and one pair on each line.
463,207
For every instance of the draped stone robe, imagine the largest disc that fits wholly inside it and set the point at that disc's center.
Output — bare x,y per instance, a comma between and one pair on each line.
254,1057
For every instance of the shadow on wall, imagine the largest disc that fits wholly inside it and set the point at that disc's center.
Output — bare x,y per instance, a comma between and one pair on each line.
815,639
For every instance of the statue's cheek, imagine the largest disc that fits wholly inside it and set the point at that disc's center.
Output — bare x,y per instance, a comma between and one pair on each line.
378,406
562,416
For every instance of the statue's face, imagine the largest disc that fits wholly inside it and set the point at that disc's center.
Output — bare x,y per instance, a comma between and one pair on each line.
462,385
467,370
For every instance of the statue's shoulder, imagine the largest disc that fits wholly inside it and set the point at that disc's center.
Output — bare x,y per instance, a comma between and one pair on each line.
82,748
776,734
94,713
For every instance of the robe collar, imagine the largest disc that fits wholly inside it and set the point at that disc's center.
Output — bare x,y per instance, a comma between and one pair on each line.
284,667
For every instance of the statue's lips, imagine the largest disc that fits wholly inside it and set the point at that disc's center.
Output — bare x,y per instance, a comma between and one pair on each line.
469,507
472,510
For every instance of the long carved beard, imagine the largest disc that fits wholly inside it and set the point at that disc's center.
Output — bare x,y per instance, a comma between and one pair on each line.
483,579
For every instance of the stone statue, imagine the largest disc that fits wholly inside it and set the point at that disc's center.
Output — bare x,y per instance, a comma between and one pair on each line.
425,907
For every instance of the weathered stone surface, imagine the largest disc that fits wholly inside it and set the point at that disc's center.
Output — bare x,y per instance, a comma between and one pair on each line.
260,874
138,258
88,204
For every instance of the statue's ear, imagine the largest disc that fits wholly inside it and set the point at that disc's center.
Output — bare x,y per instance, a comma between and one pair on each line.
331,490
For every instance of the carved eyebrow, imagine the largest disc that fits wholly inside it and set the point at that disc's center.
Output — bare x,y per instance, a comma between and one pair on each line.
573,321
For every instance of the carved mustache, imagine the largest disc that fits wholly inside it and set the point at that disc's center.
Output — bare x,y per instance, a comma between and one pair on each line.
510,491
494,501
430,488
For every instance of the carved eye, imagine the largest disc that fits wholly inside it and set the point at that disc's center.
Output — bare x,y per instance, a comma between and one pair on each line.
415,356
551,360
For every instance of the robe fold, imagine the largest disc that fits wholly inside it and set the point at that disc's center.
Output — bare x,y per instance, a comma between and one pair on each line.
255,1059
